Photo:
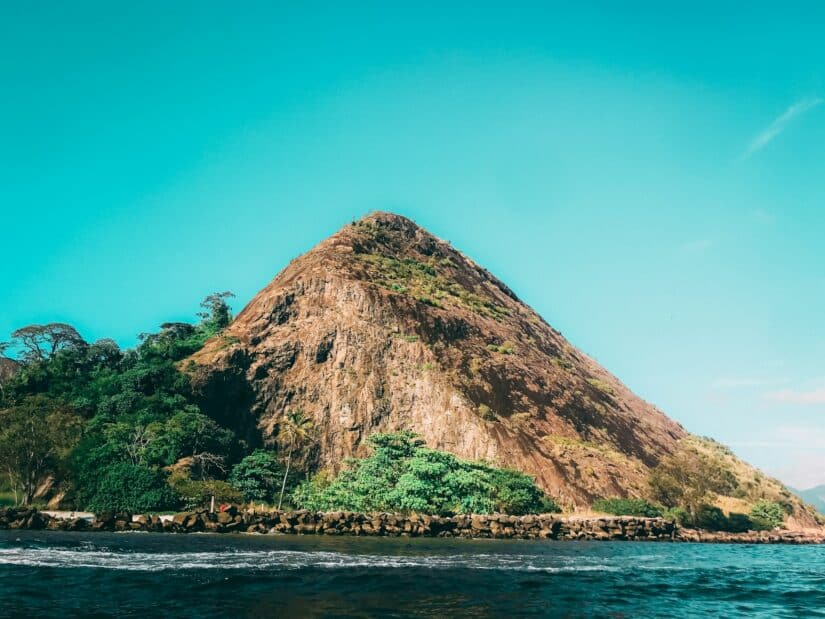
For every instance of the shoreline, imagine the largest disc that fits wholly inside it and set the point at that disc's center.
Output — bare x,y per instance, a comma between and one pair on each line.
475,526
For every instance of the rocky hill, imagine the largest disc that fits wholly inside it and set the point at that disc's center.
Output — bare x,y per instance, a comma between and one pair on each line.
384,327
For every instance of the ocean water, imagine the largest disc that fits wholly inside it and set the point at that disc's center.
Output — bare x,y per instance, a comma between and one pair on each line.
145,575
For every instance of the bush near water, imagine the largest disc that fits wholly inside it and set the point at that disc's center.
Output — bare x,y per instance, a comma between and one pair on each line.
402,475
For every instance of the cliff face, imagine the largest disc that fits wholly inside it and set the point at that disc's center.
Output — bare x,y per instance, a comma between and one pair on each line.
383,326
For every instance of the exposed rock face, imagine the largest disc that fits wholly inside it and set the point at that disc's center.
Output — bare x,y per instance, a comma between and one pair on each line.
8,369
383,327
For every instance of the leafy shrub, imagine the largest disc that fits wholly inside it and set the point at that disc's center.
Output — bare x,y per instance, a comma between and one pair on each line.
404,475
601,386
507,348
739,523
198,493
627,507
711,518
678,515
768,513
258,476
514,492
760,524
124,486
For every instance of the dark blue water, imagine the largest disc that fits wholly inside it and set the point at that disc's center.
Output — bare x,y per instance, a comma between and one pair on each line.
142,575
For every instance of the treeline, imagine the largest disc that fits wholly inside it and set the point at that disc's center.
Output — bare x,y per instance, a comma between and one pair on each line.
113,429
109,429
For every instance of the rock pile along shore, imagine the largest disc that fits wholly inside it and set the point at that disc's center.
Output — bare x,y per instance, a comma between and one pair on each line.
497,526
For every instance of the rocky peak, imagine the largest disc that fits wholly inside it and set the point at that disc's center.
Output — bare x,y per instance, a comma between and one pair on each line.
383,327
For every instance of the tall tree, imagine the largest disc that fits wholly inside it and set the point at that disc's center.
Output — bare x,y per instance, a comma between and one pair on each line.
297,429
40,342
35,437
217,314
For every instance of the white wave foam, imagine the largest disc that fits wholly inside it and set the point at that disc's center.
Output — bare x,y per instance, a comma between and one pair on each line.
286,560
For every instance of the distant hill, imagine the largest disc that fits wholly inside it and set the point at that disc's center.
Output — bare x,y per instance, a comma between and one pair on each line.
814,496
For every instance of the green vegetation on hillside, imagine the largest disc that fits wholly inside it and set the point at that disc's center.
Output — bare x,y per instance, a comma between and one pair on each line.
422,281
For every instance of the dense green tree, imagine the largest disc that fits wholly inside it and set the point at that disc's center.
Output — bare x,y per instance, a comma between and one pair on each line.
404,475
711,518
768,513
217,313
258,476
41,342
739,523
35,438
124,486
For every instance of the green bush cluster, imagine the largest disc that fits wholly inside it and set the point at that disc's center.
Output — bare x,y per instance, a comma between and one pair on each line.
258,476
507,348
768,513
712,518
403,475
628,507
123,486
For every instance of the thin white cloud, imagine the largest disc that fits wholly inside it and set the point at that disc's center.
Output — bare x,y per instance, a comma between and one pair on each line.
764,137
736,382
790,396
794,437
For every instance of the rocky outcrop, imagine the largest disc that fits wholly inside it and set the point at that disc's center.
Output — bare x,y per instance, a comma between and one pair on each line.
383,327
489,526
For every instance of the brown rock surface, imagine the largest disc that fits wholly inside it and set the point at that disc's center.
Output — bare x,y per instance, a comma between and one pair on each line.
383,327
8,369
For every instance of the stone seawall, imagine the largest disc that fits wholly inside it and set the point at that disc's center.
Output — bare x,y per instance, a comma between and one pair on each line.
497,526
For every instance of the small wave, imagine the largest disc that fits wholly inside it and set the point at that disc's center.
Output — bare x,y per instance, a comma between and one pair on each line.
282,560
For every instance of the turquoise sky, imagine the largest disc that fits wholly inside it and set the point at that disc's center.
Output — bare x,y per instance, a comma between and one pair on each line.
651,181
